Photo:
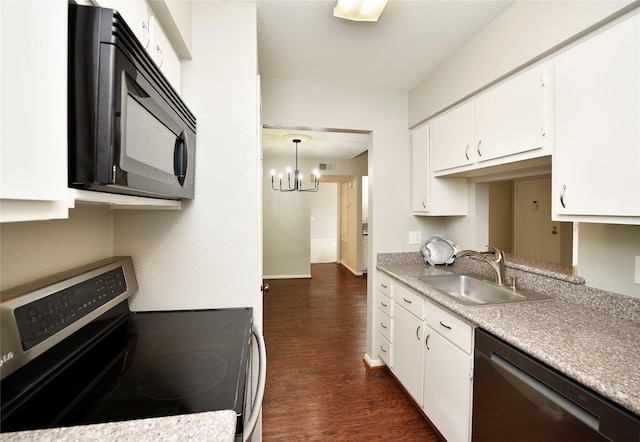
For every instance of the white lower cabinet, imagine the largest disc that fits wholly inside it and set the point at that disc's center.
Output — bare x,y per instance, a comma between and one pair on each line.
408,338
448,376
408,332
433,360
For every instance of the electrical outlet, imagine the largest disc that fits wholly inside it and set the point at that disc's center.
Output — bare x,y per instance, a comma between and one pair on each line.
415,237
637,277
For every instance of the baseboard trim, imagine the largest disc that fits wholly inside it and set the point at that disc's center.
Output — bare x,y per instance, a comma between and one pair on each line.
373,363
286,276
350,269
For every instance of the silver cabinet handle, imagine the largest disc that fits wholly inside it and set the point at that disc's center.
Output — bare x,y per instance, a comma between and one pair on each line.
564,188
383,326
383,304
426,341
478,148
384,286
466,152
448,327
418,333
383,350
407,301
424,202
159,51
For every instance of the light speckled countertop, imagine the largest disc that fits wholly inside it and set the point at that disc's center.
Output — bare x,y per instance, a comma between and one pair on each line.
213,426
591,336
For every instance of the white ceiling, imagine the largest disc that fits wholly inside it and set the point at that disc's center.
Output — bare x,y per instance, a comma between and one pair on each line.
301,40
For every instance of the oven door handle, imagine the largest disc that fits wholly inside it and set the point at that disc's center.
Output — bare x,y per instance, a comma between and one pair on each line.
251,422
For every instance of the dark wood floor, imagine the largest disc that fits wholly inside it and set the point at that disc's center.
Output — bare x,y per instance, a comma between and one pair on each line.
318,387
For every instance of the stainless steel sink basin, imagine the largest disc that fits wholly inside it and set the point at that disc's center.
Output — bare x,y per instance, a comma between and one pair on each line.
470,290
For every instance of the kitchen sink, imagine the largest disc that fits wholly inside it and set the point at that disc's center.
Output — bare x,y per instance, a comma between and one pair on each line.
470,290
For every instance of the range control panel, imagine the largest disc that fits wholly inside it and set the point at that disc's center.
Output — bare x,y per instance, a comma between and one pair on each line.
45,317
37,316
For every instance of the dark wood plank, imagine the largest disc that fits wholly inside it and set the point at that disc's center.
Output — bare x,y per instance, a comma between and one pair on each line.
318,387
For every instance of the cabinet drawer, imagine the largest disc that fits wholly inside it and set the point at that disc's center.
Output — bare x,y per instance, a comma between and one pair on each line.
384,350
385,304
451,327
410,300
384,284
384,326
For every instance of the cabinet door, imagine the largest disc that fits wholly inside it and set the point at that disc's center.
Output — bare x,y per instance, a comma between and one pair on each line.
434,196
420,168
33,170
447,387
136,14
596,164
408,351
452,138
508,118
163,54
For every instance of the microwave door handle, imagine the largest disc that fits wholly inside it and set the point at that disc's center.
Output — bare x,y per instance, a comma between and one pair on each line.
180,158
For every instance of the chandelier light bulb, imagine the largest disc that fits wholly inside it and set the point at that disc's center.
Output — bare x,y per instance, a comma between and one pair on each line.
273,172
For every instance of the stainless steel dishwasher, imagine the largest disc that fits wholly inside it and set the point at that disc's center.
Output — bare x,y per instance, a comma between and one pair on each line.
517,398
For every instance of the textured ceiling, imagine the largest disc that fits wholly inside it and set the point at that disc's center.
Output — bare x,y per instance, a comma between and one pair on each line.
301,40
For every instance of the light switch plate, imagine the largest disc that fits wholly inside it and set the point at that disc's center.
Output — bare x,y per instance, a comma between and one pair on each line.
415,237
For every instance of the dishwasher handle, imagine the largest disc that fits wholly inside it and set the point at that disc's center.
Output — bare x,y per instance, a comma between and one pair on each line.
251,422
570,407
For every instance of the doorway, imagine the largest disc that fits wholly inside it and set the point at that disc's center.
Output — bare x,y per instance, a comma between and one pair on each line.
294,234
520,221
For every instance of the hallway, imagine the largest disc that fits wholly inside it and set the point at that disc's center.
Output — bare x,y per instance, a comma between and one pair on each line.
318,387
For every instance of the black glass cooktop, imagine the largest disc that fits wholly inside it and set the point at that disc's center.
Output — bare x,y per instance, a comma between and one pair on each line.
152,364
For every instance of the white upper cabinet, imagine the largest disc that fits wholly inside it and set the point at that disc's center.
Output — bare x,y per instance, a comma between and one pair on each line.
508,118
452,139
163,54
502,125
33,169
136,14
596,163
146,27
433,196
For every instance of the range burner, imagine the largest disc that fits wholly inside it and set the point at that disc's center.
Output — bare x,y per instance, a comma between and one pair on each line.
197,372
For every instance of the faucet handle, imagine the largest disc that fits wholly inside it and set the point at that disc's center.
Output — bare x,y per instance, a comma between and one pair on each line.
498,254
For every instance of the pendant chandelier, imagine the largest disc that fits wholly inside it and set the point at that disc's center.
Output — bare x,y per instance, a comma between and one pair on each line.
294,184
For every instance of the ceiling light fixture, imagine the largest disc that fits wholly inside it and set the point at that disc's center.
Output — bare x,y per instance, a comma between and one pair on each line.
359,10
297,178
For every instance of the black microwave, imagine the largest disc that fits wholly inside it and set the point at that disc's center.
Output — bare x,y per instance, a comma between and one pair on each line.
129,131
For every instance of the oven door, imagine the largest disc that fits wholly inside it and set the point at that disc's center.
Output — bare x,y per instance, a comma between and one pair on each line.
154,149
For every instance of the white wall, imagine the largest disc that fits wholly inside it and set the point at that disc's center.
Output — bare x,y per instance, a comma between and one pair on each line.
286,224
384,113
207,255
606,257
324,224
33,250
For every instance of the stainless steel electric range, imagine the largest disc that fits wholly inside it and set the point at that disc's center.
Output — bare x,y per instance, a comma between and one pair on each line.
73,353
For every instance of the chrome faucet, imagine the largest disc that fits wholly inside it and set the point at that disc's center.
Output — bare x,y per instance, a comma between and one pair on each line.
495,259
